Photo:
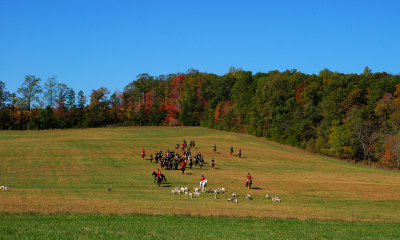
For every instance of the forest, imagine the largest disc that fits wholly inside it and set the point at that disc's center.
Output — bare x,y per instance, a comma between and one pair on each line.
350,116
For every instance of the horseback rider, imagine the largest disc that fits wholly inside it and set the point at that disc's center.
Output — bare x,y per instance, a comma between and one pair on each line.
190,162
231,150
159,177
215,147
202,179
143,153
212,163
249,179
240,152
201,161
183,166
203,183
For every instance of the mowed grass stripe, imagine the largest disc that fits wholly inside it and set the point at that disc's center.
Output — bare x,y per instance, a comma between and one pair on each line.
69,171
183,227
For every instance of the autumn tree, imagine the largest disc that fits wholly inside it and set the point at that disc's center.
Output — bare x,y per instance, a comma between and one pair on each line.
98,109
366,137
392,152
385,107
190,104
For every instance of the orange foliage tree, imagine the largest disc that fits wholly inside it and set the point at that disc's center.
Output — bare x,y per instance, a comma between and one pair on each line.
392,152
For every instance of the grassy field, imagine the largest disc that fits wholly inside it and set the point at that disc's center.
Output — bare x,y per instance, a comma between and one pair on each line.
170,227
68,171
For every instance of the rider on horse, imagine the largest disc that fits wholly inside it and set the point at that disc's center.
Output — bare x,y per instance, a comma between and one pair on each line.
240,152
143,153
203,183
159,177
183,166
249,180
202,178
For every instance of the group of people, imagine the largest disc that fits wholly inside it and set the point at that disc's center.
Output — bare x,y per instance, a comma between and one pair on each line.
172,159
184,145
239,151
214,148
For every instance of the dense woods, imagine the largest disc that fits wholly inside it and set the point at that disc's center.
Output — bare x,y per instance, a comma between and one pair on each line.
351,116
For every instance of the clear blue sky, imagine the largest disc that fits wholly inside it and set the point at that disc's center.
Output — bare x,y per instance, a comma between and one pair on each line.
90,44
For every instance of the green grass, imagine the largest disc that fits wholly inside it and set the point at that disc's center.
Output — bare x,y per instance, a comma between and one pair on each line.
68,171
36,227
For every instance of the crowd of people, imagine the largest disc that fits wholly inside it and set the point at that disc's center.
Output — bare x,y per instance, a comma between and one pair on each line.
178,158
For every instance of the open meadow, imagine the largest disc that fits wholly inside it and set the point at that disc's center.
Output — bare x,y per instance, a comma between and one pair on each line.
69,171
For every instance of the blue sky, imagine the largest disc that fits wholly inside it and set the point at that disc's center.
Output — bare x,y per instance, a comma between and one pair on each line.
90,44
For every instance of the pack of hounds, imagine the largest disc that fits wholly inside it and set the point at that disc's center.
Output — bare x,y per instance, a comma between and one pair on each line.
4,188
197,192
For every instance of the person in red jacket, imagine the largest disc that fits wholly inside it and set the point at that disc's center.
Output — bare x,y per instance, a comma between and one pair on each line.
249,180
143,153
158,173
183,166
240,152
203,183
202,178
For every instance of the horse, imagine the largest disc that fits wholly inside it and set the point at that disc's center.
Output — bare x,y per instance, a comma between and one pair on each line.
176,163
190,163
249,182
156,157
239,154
203,185
143,155
160,179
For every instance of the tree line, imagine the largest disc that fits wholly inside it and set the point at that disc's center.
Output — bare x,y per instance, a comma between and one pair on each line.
351,116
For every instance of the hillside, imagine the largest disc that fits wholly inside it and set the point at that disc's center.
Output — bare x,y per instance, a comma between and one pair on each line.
68,171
